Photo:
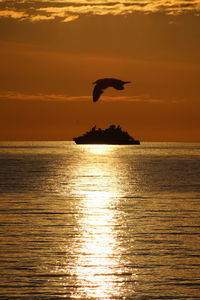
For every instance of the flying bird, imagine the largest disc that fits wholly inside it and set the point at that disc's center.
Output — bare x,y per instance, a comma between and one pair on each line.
102,84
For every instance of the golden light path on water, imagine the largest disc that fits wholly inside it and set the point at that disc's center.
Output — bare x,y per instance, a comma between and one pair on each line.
99,262
100,222
98,245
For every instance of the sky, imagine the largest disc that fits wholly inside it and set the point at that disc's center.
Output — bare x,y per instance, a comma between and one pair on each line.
52,51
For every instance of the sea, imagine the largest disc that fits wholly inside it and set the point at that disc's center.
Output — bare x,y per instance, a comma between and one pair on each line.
99,221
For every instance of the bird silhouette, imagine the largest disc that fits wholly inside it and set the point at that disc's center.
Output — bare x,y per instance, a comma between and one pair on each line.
102,84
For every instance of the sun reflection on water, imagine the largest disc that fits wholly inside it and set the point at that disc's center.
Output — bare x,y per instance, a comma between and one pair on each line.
99,149
98,259
98,263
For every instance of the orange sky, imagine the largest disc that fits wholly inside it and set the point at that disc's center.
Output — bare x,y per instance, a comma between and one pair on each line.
51,53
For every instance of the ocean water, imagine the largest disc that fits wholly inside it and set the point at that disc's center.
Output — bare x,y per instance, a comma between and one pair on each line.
99,222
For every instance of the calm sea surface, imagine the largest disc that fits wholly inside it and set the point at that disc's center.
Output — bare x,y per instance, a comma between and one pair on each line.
99,222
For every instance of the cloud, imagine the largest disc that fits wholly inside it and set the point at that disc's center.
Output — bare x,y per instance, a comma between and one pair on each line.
70,18
60,97
70,10
13,14
40,97
37,18
139,99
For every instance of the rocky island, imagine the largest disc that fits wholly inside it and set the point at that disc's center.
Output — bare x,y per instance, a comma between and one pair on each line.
113,135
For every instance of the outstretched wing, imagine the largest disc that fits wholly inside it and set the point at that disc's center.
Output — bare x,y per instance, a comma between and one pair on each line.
97,92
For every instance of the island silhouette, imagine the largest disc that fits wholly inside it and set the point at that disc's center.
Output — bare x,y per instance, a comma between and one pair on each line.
113,135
